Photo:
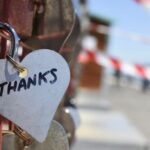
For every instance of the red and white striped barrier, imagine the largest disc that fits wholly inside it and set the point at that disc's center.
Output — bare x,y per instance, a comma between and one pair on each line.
144,3
135,70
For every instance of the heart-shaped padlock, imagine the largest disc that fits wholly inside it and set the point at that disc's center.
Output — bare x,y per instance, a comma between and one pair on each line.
31,102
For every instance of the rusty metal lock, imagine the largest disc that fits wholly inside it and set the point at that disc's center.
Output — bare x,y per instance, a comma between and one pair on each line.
53,25
19,14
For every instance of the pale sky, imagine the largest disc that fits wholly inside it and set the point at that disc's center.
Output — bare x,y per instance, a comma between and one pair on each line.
128,16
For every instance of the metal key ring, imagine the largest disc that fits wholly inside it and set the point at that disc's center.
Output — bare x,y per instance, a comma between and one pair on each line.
14,38
22,71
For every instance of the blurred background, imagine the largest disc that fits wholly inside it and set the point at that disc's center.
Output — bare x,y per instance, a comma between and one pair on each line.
113,75
107,46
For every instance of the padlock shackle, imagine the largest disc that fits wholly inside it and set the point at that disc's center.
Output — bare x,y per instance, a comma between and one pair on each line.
14,38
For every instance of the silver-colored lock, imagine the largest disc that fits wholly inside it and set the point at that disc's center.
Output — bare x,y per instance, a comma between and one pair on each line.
74,114
22,71
13,37
56,140
70,120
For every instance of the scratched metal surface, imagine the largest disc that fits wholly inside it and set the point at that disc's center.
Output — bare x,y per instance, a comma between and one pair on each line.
56,140
19,14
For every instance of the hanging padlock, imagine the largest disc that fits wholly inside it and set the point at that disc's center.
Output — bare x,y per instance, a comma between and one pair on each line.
56,140
49,75
69,118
